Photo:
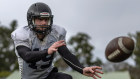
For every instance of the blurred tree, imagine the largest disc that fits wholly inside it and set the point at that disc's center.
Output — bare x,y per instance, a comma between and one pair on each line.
83,49
111,67
135,70
7,55
79,45
137,50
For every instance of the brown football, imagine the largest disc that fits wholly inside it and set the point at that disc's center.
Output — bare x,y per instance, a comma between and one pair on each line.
119,49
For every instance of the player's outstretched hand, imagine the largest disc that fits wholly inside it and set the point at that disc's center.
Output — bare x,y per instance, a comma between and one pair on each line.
54,47
93,71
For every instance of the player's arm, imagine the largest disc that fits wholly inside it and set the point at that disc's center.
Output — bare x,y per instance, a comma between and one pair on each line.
33,56
70,59
30,56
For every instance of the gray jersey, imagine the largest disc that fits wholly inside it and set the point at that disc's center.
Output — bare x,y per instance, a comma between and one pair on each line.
26,37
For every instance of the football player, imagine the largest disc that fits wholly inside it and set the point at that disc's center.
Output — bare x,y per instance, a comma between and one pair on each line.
36,44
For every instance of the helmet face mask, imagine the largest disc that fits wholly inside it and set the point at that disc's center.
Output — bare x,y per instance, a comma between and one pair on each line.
40,11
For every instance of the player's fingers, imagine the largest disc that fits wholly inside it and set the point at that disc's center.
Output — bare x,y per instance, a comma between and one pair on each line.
94,77
96,67
98,71
97,75
55,50
60,44
91,71
51,50
61,41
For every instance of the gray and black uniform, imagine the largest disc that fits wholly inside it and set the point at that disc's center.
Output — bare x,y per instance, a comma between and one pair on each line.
34,61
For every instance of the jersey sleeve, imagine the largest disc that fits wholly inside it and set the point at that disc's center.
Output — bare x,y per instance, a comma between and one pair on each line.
20,37
60,32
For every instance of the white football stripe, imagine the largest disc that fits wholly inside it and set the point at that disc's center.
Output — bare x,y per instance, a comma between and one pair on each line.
114,54
122,47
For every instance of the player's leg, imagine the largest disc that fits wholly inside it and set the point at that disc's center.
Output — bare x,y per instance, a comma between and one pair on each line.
59,75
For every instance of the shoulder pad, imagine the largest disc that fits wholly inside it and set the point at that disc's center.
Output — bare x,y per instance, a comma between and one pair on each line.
21,33
59,30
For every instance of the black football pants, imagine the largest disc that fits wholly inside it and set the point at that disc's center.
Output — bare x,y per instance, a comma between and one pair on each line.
58,75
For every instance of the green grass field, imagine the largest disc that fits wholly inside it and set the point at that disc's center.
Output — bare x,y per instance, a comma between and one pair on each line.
76,75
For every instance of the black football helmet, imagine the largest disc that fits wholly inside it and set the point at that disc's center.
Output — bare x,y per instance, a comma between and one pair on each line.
39,10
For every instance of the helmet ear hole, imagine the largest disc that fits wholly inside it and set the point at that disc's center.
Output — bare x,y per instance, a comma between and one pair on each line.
35,4
33,21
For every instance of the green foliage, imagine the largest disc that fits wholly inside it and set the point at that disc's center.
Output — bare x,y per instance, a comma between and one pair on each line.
4,74
135,70
137,50
83,49
7,55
